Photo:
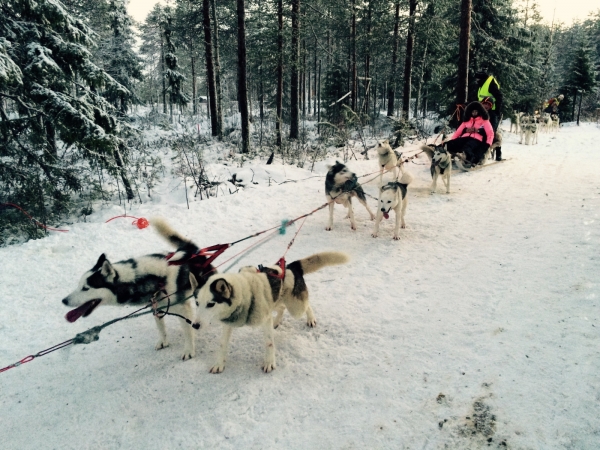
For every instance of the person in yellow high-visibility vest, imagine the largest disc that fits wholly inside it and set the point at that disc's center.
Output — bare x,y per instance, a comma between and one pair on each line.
489,95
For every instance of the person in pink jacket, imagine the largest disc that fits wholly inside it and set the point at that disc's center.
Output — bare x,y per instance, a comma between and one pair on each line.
474,135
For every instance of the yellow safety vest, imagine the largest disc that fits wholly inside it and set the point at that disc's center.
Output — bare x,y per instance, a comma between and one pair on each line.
484,91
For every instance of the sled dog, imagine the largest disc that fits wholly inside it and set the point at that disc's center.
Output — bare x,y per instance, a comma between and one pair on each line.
529,130
515,118
555,122
137,280
441,165
340,186
389,160
251,296
546,122
393,196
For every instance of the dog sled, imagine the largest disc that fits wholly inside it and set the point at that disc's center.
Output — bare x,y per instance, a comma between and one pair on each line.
466,166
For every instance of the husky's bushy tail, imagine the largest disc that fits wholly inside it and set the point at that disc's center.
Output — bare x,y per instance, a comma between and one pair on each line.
428,151
297,303
319,260
406,178
182,244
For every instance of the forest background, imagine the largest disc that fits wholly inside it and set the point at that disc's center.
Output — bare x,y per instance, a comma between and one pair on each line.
80,82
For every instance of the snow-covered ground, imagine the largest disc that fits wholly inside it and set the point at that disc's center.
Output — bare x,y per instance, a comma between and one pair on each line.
480,326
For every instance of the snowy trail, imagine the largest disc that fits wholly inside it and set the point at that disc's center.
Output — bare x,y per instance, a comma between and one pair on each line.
486,308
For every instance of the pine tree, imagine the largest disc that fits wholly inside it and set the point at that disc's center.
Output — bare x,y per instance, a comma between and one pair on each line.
123,64
54,124
174,78
582,76
153,88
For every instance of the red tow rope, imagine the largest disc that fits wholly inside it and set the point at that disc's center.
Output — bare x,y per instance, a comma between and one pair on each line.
37,222
139,222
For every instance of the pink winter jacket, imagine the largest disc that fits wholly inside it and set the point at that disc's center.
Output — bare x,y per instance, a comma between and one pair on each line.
476,123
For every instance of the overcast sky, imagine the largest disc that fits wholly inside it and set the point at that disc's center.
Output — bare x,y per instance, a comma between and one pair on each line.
566,10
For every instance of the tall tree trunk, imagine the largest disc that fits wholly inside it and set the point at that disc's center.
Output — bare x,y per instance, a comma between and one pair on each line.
421,76
217,60
308,92
408,61
261,92
242,82
294,110
123,173
368,57
392,82
162,71
328,49
318,99
210,68
194,93
463,53
315,81
303,79
353,58
279,95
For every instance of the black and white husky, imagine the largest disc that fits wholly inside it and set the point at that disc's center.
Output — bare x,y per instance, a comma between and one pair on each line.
137,280
393,196
441,165
340,186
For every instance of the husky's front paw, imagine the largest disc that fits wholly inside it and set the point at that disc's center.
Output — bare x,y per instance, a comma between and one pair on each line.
188,354
161,344
268,366
217,368
396,238
353,227
311,322
374,235
327,228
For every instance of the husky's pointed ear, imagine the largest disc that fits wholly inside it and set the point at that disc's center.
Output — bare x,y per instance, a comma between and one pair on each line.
99,262
385,141
107,270
193,282
223,288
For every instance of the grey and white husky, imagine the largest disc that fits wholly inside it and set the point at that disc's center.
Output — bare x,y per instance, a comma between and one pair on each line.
441,165
137,280
251,296
340,186
389,160
393,196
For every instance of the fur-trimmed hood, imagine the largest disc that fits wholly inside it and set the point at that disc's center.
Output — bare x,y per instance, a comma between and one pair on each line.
479,107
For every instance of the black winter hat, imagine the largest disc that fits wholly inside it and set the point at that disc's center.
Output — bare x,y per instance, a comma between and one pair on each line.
479,107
